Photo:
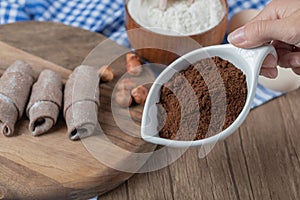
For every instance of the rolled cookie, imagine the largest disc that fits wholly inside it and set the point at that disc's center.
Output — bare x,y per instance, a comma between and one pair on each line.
15,85
45,102
81,102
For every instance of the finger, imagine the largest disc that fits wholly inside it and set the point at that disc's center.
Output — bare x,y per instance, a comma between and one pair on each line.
278,10
290,60
268,13
269,72
270,62
257,33
282,50
282,46
269,67
296,70
281,54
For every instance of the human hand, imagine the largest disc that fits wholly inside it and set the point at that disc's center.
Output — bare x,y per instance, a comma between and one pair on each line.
163,4
279,24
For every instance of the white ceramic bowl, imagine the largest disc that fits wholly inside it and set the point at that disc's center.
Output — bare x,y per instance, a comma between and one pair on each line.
248,60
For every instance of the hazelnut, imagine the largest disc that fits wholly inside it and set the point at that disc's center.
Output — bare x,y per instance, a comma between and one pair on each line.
131,56
123,98
139,94
134,67
106,74
133,64
126,84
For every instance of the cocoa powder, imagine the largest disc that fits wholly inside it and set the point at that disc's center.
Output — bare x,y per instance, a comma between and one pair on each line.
202,100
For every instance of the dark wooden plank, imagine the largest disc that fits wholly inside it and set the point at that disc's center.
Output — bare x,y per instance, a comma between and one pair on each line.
153,185
121,191
259,161
289,106
47,187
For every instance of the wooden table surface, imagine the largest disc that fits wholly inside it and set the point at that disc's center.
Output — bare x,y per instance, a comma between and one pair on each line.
259,161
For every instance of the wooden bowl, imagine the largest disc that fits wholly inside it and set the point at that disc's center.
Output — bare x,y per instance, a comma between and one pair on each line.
164,49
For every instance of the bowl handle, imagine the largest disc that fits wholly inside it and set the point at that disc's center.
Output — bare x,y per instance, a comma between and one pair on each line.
255,56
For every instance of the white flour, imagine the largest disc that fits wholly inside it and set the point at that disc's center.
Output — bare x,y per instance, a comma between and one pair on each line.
179,18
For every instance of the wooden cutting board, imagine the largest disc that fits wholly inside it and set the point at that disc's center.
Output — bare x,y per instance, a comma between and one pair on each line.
52,166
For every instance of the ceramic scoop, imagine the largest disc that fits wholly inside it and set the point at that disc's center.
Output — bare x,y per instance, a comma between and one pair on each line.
247,60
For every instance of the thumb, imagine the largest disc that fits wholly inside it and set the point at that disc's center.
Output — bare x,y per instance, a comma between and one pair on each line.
259,32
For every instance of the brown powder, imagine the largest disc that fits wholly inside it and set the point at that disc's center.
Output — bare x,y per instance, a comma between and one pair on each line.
193,103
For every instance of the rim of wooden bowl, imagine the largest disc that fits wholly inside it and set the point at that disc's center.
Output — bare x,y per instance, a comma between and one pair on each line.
128,16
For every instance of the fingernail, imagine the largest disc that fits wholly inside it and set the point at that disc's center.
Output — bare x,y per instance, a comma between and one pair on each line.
269,72
274,73
237,36
270,61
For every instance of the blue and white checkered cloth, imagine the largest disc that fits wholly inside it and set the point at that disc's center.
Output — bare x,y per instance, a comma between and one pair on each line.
103,16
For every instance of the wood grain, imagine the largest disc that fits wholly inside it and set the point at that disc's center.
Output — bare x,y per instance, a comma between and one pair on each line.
10,54
163,49
52,166
259,161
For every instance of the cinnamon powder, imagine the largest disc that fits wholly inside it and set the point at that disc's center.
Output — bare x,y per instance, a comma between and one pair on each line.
185,107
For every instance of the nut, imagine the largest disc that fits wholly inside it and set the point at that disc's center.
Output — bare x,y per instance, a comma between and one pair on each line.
139,94
106,74
126,84
133,64
123,98
131,56
134,67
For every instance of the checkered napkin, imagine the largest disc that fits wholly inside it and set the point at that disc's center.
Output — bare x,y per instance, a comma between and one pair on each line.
103,16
